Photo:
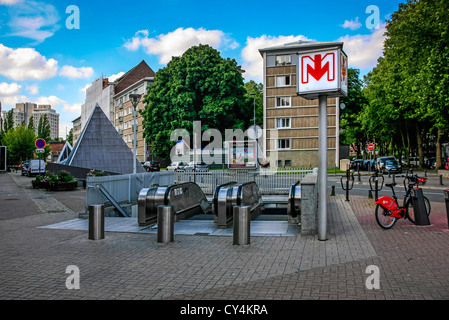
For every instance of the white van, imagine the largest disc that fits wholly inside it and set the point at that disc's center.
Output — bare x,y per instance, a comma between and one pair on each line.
36,167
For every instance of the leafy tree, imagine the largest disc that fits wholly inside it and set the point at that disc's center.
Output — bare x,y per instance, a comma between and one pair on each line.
31,123
350,120
8,124
255,90
43,128
20,143
198,86
70,137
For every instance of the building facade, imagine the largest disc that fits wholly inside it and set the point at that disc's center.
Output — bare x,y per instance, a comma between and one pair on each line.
76,130
99,92
23,112
291,121
134,81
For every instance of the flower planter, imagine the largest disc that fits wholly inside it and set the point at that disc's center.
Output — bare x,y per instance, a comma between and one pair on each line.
38,184
62,186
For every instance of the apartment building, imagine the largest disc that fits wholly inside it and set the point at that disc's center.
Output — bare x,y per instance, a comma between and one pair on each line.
134,81
99,92
23,112
291,121
76,130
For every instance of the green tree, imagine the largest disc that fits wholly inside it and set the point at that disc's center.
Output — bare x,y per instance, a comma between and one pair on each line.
255,91
350,120
198,86
70,137
31,123
20,143
8,123
43,129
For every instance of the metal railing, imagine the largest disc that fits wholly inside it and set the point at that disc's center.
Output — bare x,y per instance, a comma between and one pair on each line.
269,181
123,189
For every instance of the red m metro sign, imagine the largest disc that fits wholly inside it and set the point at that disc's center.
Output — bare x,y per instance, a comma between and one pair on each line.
317,66
322,72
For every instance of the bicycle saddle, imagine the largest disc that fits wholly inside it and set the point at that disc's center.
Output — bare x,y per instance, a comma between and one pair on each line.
390,185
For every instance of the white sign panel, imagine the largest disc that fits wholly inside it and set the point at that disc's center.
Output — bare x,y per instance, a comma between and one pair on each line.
322,72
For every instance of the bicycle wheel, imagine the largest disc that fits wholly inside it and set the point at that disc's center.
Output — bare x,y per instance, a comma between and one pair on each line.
411,212
383,217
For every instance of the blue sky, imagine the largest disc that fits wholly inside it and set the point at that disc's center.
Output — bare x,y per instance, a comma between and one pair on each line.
43,61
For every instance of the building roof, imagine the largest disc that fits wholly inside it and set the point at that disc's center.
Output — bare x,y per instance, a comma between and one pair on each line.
142,70
302,45
100,147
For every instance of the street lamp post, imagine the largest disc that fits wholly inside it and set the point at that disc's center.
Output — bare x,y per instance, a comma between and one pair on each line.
255,131
135,98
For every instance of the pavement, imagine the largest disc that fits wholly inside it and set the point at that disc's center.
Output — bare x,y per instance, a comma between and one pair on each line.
358,261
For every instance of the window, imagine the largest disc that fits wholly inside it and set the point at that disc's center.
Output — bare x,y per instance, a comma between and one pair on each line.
283,123
283,81
283,101
284,144
283,59
279,163
288,163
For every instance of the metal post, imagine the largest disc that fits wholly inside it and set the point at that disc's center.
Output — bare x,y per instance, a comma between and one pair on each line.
96,222
135,141
165,223
322,159
241,221
446,199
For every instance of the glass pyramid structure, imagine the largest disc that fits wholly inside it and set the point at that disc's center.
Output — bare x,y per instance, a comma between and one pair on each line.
100,147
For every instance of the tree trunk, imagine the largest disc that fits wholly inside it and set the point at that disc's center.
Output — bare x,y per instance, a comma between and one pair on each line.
419,137
438,147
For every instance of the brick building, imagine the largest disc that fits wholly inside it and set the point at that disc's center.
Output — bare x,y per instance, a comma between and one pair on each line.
291,122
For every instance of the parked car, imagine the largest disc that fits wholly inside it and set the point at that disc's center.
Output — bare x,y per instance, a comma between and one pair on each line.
24,167
357,163
392,166
152,166
36,167
197,166
176,166
380,162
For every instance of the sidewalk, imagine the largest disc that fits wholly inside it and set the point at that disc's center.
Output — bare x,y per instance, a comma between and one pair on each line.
413,261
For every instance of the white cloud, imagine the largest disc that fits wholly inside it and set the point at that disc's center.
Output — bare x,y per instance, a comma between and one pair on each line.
64,129
25,64
32,19
10,2
84,89
76,73
10,101
351,24
9,89
73,108
114,77
364,50
177,42
33,89
252,60
56,102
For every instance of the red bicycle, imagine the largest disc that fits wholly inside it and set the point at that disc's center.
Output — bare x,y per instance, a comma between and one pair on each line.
388,210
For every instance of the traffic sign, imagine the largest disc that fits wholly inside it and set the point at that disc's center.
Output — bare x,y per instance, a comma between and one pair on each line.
40,143
40,151
371,146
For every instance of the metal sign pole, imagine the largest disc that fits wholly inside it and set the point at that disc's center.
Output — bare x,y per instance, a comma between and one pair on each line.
322,169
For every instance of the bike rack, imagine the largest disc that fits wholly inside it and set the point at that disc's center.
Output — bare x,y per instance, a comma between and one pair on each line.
375,177
348,178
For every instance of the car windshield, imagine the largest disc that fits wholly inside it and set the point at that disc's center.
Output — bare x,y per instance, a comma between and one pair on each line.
391,163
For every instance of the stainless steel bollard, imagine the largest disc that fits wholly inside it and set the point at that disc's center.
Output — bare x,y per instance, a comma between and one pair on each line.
96,222
241,217
165,223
